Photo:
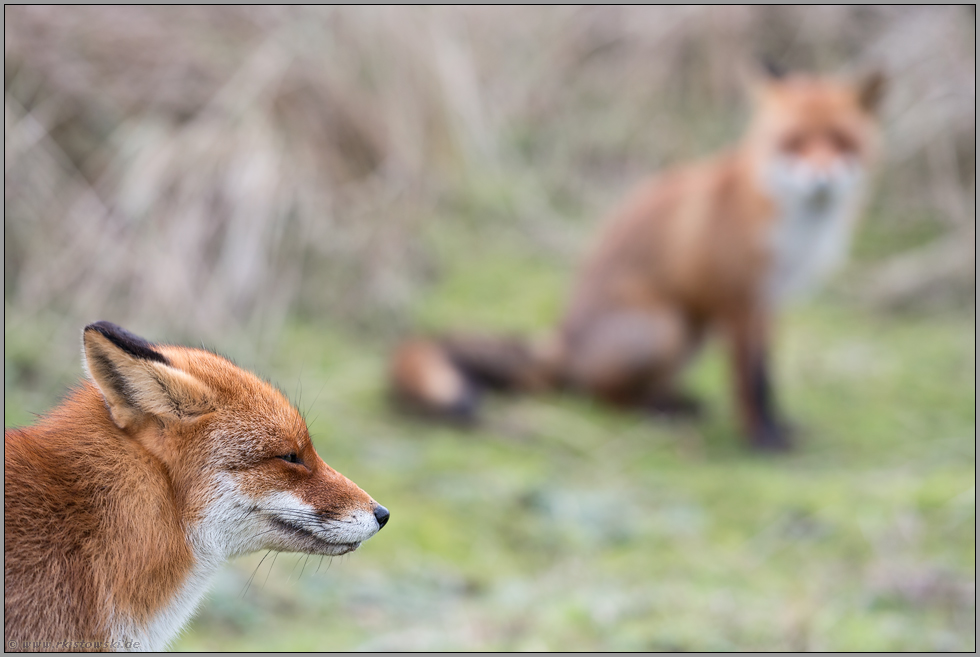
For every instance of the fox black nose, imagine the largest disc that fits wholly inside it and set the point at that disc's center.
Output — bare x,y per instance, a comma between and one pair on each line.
381,514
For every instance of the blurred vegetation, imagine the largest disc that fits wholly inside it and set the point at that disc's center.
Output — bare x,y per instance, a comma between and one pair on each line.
296,187
213,170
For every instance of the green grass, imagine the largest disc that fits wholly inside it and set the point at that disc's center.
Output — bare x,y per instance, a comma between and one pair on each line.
560,525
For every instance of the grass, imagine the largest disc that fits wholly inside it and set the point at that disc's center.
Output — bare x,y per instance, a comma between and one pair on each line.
560,525
289,177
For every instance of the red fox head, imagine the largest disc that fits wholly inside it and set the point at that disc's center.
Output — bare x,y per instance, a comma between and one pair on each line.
239,455
813,137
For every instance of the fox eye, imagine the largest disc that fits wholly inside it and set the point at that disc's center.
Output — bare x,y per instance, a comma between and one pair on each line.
292,457
842,141
793,144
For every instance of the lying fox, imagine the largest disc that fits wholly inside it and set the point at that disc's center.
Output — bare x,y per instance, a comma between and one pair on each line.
714,246
122,503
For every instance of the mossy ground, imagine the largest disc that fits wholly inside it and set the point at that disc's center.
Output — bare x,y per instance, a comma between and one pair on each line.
562,525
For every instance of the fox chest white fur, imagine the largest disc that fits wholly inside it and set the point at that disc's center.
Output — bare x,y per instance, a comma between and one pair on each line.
214,538
812,229
233,524
167,623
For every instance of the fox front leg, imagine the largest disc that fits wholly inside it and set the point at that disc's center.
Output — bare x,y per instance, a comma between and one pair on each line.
749,338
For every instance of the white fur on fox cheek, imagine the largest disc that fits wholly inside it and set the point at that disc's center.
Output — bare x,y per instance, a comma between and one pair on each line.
355,526
228,527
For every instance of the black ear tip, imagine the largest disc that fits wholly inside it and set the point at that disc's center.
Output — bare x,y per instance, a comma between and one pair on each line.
130,343
872,89
878,78
772,69
105,328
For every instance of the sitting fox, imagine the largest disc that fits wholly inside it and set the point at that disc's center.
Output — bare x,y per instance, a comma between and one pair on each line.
122,504
710,247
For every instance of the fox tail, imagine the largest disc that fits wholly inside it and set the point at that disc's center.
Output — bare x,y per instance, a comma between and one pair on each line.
444,376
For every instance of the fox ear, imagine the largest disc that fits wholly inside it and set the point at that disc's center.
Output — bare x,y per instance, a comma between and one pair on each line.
771,70
136,380
871,89
758,75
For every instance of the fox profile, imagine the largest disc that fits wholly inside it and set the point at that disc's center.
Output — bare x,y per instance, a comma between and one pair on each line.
712,247
123,502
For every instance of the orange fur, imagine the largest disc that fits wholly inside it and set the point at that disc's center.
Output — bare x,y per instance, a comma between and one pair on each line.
123,501
713,246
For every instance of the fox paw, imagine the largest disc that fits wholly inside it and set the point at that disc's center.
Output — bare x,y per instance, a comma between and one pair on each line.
675,405
774,438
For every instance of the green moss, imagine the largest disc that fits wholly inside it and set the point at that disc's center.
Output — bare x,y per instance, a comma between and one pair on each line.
563,525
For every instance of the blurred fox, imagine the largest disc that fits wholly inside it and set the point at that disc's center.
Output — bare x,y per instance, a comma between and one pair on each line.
122,504
713,246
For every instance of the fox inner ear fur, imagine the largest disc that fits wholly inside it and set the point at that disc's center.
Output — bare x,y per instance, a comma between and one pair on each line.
136,380
871,90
